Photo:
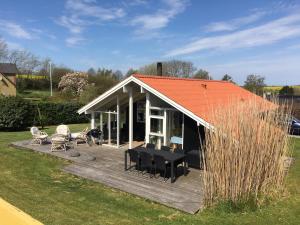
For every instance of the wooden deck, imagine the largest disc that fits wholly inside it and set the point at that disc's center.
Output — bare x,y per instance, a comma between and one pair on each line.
106,165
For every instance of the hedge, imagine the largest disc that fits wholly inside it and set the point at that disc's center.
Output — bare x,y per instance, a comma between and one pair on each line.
15,113
19,114
58,113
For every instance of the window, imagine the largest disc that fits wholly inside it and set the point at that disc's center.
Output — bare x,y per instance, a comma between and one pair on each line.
140,112
156,125
156,112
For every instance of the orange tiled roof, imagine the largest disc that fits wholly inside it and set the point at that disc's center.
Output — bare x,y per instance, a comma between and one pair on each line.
196,95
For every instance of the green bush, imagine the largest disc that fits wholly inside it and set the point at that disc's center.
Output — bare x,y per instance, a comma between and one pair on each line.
15,113
19,114
48,113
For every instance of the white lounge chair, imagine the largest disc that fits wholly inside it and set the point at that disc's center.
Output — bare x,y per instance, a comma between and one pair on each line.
63,131
38,137
81,136
58,143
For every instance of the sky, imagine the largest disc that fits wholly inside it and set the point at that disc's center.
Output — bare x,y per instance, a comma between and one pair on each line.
223,37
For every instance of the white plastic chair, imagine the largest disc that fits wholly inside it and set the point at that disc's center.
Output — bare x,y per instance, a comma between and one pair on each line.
63,131
38,137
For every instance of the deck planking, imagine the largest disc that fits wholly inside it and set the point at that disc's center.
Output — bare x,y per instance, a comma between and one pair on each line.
105,165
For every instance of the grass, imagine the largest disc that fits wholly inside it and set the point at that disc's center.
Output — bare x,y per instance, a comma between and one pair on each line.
34,94
34,183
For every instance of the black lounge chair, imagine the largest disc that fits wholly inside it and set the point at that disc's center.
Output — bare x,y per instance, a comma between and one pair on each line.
161,164
134,158
165,148
150,146
178,151
146,162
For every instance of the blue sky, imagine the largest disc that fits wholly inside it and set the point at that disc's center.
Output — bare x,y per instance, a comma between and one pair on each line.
236,37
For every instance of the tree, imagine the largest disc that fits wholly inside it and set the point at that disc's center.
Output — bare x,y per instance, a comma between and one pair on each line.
286,90
174,68
57,73
118,75
104,72
91,72
202,74
130,72
255,84
73,83
25,61
3,50
227,77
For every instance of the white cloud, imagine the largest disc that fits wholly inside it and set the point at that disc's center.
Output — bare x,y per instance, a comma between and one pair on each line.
268,33
235,23
130,3
83,13
15,30
74,40
90,9
14,45
159,19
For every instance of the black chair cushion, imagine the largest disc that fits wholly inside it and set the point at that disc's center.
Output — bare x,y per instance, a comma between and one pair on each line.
193,158
151,146
165,148
133,155
146,160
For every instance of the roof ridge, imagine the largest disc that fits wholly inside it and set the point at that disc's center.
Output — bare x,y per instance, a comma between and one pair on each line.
175,78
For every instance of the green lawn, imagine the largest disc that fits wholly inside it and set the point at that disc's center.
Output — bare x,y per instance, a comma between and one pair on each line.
34,94
34,183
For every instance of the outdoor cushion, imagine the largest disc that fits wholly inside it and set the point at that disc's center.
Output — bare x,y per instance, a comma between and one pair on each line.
43,136
193,159
75,135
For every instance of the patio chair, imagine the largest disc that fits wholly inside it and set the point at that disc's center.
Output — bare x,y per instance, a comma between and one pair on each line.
146,162
161,164
178,151
165,148
38,137
63,131
150,146
58,143
81,136
134,158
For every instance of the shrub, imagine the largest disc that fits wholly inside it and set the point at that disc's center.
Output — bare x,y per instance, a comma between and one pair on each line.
15,113
19,114
245,152
48,113
286,90
90,93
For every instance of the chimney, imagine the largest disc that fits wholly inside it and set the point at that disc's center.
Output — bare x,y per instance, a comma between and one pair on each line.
159,69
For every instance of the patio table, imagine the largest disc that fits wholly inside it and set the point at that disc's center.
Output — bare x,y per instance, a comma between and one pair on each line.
169,156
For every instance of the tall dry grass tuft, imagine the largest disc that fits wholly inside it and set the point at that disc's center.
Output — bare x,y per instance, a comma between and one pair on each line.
245,152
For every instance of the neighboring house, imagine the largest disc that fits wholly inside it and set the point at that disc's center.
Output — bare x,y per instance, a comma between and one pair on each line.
8,72
158,109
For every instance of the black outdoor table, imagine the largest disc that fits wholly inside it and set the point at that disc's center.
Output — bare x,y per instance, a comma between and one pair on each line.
169,156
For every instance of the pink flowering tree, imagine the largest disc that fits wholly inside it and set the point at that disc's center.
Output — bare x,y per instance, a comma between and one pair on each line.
73,83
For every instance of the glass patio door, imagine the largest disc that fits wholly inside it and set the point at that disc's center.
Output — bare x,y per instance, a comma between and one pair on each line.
157,127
